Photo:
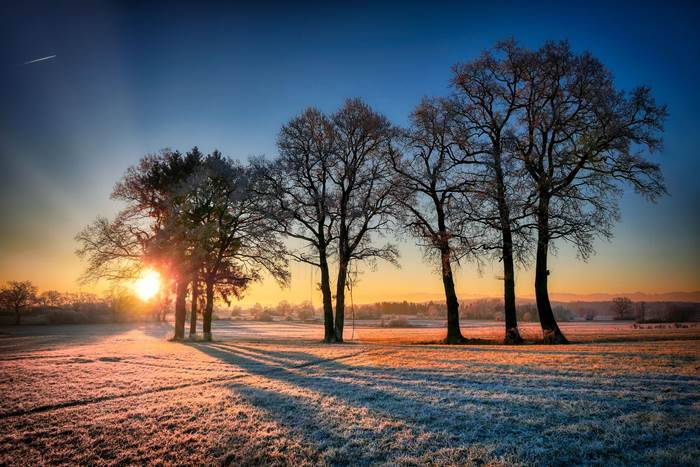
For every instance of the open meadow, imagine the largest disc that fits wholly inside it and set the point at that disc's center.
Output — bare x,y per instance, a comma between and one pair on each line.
270,393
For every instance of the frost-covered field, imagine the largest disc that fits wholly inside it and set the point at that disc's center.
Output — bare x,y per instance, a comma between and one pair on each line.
271,394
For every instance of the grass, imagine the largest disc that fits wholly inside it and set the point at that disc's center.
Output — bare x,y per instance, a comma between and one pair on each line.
123,395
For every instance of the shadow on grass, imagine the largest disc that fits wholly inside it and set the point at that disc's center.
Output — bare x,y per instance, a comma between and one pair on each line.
504,413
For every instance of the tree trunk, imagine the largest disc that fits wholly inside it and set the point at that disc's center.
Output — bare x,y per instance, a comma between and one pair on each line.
18,317
512,332
550,330
180,310
208,310
329,330
193,312
454,333
340,300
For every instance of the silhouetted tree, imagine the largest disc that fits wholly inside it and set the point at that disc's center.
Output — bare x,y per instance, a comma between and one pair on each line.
52,298
301,197
433,172
159,191
622,307
362,177
16,296
225,224
141,232
329,189
487,105
194,304
113,249
581,139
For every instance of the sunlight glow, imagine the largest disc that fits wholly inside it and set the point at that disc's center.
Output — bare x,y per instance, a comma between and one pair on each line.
147,285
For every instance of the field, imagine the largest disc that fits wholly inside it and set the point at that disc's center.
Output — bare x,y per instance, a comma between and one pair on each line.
269,393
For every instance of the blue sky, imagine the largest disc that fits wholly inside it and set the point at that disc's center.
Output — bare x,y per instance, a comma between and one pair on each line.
129,79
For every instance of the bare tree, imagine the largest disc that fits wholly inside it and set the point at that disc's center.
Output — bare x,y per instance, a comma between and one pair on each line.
16,296
363,179
622,307
113,249
301,199
581,140
486,91
51,298
433,172
329,189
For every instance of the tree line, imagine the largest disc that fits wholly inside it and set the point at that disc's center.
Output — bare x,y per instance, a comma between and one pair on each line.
19,297
529,148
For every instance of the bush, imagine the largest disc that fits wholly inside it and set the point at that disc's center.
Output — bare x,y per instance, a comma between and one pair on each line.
678,313
399,323
66,317
562,313
527,313
368,313
305,313
263,315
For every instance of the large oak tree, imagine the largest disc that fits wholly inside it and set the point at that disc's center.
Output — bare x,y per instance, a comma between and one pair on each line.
581,141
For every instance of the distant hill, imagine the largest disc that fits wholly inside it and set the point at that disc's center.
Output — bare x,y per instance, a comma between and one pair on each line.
687,297
693,297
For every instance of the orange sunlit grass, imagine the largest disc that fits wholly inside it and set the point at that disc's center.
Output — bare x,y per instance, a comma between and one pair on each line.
148,285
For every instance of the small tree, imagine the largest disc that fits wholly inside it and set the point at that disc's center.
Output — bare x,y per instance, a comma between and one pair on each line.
18,295
622,306
51,298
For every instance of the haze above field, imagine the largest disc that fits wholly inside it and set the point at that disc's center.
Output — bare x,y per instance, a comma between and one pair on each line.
87,90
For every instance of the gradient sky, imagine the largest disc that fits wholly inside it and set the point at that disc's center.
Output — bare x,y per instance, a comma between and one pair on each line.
129,79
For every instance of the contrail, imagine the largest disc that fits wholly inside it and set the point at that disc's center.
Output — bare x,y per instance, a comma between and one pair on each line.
40,59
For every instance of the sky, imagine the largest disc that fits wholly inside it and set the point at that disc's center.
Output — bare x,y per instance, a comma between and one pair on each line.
130,78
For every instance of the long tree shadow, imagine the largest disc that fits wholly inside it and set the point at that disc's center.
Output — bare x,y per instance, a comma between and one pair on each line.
338,408
485,387
511,373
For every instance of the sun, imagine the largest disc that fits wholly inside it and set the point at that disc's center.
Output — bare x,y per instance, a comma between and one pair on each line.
147,285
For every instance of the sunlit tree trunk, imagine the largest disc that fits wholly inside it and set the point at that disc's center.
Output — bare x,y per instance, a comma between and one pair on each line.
193,312
340,300
511,317
454,333
550,330
329,330
512,335
180,309
208,310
